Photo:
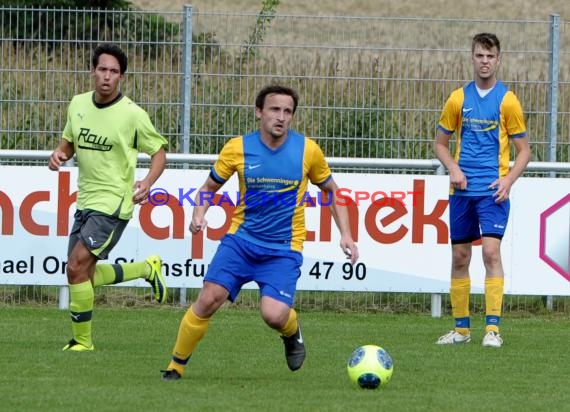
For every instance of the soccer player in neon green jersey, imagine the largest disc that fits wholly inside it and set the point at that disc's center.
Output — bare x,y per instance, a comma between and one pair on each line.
105,130
487,118
264,242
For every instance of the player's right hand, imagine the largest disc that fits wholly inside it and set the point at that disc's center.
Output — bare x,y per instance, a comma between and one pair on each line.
457,179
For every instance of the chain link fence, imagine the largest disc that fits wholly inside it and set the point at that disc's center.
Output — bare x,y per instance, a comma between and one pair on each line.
370,87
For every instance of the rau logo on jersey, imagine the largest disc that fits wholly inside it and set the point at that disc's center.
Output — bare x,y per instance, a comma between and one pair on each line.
91,141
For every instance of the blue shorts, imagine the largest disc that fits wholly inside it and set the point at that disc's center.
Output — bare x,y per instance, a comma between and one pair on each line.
471,217
238,261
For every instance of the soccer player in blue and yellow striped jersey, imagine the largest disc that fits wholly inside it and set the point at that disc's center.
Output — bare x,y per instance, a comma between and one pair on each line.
264,242
486,118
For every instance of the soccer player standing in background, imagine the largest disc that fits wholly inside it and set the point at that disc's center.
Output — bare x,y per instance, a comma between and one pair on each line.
487,118
265,239
106,130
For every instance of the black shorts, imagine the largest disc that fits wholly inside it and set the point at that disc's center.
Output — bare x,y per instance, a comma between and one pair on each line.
98,232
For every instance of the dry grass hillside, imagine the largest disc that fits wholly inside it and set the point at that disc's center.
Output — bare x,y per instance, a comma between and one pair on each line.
482,9
413,83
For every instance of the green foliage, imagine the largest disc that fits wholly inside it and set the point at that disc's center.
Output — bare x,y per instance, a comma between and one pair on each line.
148,28
366,107
264,18
33,20
359,132
14,142
563,154
29,23
229,114
206,48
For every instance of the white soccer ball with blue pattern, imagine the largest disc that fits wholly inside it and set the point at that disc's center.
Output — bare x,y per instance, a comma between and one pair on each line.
370,367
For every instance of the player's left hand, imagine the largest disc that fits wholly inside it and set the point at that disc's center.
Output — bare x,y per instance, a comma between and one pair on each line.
350,250
141,191
503,187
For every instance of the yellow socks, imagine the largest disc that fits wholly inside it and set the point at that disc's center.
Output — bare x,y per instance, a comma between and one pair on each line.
493,302
290,326
81,310
459,294
106,274
191,331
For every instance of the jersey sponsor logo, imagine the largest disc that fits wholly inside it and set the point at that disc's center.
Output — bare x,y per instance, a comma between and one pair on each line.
467,110
92,141
251,167
479,125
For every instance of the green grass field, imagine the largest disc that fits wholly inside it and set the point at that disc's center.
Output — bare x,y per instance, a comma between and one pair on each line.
239,366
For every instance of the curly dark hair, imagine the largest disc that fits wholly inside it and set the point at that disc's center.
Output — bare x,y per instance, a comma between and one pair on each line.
113,50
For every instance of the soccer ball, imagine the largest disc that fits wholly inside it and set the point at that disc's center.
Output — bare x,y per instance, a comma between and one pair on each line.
370,367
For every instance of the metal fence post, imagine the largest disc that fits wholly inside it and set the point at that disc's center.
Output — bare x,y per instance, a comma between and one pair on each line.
554,46
436,297
187,79
64,298
436,305
186,95
64,290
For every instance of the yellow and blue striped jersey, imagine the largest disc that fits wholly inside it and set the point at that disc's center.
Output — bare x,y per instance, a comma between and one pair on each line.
484,126
272,187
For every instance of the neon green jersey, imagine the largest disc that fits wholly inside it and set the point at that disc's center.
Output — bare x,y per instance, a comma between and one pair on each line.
107,140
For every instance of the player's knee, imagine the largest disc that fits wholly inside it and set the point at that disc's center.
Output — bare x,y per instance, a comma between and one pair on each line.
491,256
207,304
461,258
76,272
273,322
274,319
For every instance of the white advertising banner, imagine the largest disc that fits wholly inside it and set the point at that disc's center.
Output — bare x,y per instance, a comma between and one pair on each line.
399,221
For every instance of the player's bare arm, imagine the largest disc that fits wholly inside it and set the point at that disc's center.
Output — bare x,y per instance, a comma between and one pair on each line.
199,221
441,148
340,215
142,187
61,154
